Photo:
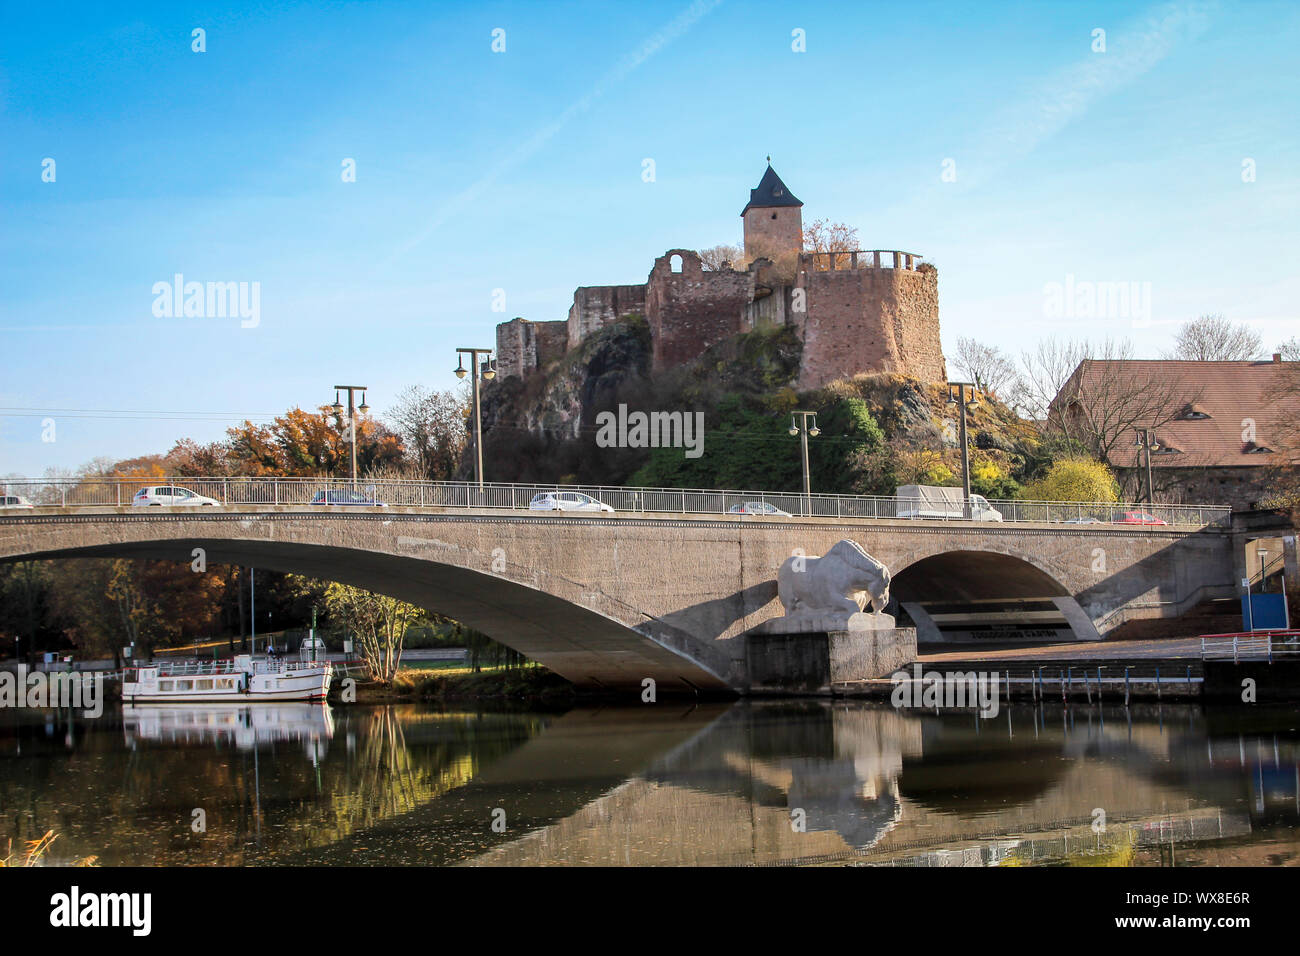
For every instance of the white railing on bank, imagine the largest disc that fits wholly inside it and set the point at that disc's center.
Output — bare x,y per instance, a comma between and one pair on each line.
366,492
1251,646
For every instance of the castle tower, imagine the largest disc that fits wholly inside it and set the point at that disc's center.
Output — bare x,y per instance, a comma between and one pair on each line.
773,218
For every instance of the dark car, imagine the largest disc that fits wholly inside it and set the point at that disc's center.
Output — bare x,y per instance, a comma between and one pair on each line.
345,497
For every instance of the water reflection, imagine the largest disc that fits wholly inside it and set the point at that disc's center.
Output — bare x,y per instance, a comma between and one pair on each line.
750,783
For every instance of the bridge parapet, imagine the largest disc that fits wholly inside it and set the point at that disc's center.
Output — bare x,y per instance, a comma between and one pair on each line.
255,490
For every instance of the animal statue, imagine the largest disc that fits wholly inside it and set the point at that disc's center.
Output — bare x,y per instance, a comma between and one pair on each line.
839,582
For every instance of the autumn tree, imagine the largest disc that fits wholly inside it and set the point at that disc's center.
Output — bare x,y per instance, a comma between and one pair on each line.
824,236
1074,479
378,623
1212,338
302,443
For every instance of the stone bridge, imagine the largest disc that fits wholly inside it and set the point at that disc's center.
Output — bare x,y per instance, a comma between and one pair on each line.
608,600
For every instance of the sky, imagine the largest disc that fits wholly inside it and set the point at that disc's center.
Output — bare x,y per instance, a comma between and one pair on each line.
1011,144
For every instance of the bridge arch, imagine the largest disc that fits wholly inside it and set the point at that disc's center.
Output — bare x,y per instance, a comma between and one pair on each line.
586,636
976,594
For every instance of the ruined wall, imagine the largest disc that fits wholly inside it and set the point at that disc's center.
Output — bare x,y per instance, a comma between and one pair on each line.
596,306
692,309
524,346
871,320
770,230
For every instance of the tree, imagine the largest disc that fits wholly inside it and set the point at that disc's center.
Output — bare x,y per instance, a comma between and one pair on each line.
1212,338
991,369
1093,396
1289,350
302,443
432,428
717,258
821,235
1074,479
377,621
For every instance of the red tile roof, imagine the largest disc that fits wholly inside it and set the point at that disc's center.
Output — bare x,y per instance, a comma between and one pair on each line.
1231,394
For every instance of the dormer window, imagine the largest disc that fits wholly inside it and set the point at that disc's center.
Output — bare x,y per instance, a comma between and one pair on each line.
1195,413
1255,448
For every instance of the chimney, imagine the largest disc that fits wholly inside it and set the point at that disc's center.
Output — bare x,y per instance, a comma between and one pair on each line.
1277,357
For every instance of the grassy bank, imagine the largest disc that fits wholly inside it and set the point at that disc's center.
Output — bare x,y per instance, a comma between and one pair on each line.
454,681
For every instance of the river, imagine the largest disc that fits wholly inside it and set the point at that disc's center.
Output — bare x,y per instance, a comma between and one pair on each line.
783,782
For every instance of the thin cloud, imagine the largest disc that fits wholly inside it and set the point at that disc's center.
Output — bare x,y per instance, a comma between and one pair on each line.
675,28
1131,51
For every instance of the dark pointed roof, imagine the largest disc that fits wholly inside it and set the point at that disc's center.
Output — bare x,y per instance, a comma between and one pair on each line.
770,192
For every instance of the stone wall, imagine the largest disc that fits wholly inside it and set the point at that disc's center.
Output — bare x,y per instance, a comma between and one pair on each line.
596,306
524,346
771,230
871,320
691,309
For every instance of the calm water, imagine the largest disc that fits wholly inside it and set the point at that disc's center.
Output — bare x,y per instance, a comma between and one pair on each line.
660,784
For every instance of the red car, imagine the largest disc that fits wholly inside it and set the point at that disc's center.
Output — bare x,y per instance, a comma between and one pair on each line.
1135,517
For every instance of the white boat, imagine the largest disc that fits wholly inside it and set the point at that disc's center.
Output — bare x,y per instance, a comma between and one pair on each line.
242,679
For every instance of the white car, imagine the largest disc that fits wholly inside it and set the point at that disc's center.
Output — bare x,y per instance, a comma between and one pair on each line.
758,508
171,495
566,501
14,501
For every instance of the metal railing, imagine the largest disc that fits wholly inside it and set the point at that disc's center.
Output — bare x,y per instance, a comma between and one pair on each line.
1251,646
443,495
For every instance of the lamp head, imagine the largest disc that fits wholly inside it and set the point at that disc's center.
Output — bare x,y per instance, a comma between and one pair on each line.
363,407
460,367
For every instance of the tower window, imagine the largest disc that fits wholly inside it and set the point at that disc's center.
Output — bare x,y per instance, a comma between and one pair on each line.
675,263
773,215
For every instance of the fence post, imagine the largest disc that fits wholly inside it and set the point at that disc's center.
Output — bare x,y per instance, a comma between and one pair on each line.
1234,648
118,487
225,495
1125,686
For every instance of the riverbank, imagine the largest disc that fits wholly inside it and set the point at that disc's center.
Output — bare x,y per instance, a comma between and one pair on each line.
530,685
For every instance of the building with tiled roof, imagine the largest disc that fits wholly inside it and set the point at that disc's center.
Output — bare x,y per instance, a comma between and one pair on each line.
1219,429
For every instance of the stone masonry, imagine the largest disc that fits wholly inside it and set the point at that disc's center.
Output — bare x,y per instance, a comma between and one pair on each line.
861,312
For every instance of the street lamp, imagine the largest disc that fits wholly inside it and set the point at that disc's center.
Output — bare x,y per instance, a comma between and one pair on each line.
803,430
972,403
352,419
1145,439
488,373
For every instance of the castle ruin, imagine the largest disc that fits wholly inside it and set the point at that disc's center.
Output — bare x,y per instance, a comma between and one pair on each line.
854,311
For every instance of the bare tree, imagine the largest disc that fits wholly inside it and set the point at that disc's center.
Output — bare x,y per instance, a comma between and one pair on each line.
1289,350
432,426
1212,338
991,369
717,258
1096,395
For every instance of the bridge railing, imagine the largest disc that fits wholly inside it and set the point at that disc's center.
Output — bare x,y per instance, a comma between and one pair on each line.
309,492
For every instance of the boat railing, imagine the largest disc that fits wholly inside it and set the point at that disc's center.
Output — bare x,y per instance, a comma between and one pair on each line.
195,668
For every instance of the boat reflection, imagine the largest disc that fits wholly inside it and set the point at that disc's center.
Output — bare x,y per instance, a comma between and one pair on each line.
242,726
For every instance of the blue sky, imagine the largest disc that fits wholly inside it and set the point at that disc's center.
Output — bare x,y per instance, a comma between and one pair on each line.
522,171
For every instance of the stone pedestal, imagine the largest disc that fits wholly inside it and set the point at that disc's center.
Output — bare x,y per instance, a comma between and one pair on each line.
809,662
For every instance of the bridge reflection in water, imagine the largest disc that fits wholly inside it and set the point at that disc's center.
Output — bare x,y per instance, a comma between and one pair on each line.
770,783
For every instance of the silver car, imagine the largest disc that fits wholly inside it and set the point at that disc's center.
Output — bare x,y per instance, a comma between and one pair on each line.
171,495
566,501
758,508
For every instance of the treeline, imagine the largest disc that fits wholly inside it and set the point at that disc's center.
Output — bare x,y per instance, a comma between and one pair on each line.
95,607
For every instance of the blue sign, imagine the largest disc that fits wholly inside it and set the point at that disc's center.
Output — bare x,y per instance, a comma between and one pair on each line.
1265,612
